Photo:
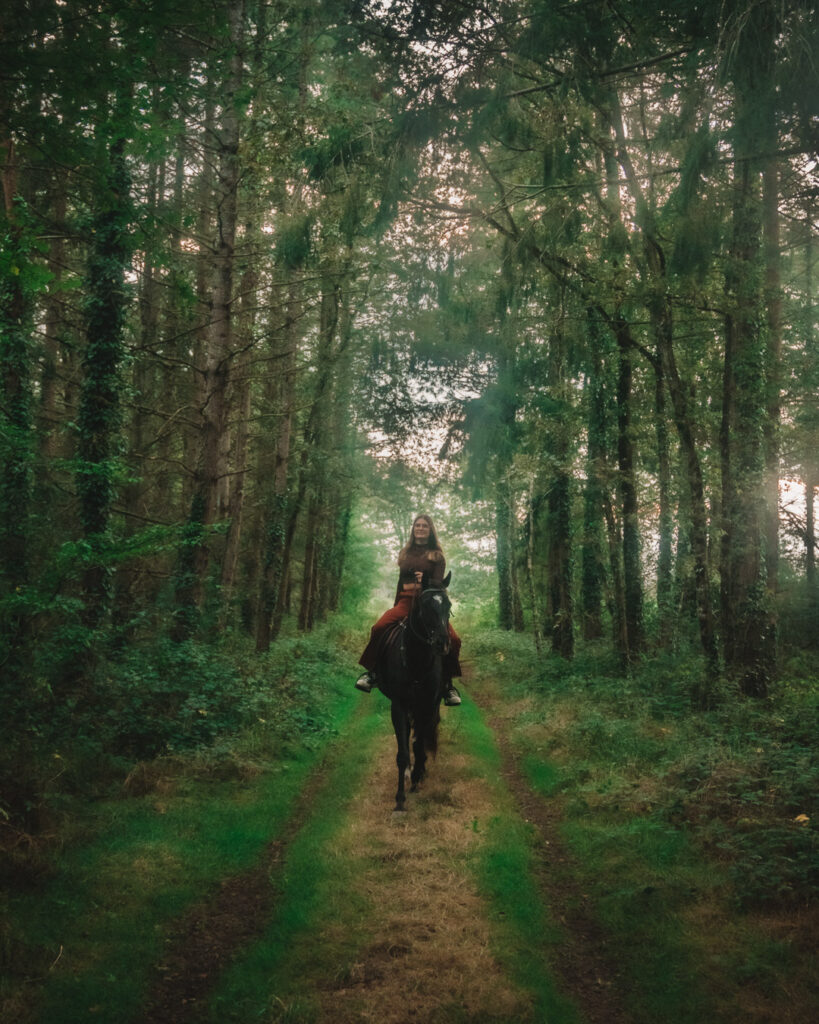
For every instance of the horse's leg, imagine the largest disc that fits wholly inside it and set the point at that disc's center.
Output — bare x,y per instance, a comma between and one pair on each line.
419,766
400,724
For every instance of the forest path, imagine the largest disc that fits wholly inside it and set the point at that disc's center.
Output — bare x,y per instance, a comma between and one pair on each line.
583,961
428,953
409,917
206,938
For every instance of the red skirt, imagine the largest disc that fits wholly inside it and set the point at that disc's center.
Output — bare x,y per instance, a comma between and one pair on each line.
400,610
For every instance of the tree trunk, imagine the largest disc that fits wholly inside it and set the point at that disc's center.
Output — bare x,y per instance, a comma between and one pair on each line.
509,608
618,595
315,458
213,461
696,499
99,410
773,306
592,571
275,511
240,386
15,382
748,628
810,540
198,395
339,505
661,313
510,611
309,585
534,590
559,534
810,459
665,526
54,329
627,492
135,492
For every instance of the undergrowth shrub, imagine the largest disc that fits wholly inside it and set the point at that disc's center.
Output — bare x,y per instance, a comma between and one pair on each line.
159,697
769,863
740,780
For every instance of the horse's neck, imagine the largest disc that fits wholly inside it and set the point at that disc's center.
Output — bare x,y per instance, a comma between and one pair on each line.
413,641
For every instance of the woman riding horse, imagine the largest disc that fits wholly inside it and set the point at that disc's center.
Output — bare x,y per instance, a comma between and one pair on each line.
421,556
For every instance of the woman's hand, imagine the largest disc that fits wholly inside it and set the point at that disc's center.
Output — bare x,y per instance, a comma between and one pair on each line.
419,576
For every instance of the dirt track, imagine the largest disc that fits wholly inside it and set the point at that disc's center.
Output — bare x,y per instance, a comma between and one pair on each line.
429,953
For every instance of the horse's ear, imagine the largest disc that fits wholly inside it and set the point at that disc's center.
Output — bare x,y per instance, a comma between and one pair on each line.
446,579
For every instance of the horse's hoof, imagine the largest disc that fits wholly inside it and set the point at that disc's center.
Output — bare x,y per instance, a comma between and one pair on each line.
399,807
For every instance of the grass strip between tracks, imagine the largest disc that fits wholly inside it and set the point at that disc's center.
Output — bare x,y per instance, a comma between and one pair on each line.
504,867
315,888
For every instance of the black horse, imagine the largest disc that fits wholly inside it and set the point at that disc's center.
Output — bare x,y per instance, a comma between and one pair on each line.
409,673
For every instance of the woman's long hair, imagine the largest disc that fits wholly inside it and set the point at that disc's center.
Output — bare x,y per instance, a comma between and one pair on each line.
435,552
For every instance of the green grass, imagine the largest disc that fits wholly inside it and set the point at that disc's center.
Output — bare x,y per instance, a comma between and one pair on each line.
86,940
641,875
675,816
272,976
523,933
107,908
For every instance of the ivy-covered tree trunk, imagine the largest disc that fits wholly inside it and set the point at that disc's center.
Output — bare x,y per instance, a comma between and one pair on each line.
17,289
510,614
99,411
749,427
52,416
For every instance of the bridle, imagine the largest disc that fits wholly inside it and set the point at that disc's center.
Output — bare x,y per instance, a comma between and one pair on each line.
430,637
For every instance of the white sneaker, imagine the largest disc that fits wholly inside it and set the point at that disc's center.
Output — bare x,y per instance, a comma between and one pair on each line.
364,683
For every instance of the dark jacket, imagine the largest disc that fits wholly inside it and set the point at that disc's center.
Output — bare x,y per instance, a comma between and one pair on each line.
419,559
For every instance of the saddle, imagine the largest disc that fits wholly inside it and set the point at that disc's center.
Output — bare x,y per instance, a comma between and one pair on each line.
391,638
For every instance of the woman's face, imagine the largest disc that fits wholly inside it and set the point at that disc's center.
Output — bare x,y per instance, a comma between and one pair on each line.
420,531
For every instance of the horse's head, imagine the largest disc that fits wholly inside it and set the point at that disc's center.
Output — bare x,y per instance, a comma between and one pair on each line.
431,614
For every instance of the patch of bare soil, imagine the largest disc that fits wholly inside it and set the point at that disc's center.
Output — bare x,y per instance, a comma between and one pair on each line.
429,956
209,936
585,962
